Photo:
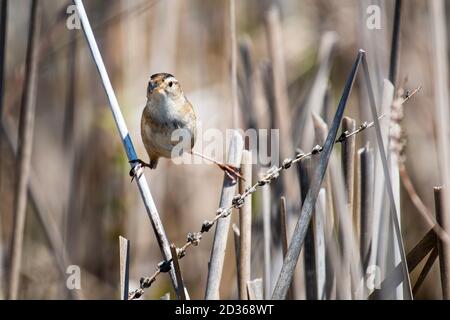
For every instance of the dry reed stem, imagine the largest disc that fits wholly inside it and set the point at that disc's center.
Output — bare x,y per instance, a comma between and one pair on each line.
126,140
320,244
284,240
304,169
441,85
223,225
124,260
245,226
315,102
233,70
237,241
365,207
25,145
395,44
320,134
287,270
267,235
426,269
176,266
443,247
255,289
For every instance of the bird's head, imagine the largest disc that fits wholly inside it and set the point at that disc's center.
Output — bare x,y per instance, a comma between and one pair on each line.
163,85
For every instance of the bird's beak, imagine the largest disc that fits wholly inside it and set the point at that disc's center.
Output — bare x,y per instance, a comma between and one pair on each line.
151,87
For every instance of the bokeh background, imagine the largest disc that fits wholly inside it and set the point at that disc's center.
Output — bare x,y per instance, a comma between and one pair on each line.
78,161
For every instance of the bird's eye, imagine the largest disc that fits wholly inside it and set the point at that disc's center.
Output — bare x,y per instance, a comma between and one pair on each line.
170,83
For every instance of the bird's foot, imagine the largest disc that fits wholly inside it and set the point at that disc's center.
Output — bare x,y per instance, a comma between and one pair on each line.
138,168
232,172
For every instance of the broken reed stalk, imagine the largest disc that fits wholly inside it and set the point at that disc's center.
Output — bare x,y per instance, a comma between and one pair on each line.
245,226
443,246
267,235
144,190
304,169
223,224
365,201
255,289
420,206
25,145
287,270
124,260
284,240
176,266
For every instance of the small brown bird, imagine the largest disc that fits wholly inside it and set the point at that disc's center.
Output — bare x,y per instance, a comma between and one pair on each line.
167,110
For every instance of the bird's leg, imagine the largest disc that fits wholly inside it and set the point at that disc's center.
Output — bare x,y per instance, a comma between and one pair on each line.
135,170
231,171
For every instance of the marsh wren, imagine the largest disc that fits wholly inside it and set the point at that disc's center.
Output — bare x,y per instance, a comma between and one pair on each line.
167,110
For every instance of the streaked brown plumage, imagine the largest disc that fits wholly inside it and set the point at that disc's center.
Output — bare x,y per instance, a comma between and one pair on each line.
167,110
